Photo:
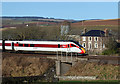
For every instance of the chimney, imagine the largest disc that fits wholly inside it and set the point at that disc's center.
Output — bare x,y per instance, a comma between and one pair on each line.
106,32
85,30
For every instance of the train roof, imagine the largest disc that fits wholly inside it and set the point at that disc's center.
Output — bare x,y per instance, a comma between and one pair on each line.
38,40
75,42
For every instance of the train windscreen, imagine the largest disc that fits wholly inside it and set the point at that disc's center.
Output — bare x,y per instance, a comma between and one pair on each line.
77,43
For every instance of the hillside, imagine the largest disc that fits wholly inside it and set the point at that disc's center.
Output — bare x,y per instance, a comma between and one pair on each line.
40,21
110,24
46,26
98,22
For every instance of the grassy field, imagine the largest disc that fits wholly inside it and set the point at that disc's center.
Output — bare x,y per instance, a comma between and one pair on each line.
101,71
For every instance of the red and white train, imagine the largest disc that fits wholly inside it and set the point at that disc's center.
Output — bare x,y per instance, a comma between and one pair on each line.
55,46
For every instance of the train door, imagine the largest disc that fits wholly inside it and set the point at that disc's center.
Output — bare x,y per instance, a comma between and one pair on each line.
58,45
68,48
59,49
3,45
12,45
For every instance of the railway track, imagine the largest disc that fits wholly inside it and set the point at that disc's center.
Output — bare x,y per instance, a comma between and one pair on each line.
98,59
102,57
45,55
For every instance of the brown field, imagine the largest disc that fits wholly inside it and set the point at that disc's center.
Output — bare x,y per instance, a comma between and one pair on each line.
99,22
111,24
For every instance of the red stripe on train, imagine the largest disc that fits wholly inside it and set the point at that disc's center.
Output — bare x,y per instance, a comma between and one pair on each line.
46,45
42,45
16,44
7,44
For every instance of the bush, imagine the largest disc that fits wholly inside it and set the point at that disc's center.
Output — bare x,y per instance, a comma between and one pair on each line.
110,51
111,44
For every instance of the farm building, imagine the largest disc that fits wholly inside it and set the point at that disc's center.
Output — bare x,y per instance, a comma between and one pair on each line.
94,40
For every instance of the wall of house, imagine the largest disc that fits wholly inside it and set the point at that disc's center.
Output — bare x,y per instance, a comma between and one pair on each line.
98,49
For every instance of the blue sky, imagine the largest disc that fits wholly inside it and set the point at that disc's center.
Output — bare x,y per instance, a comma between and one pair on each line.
62,10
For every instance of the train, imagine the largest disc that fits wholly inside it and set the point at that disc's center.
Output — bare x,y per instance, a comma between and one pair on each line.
50,46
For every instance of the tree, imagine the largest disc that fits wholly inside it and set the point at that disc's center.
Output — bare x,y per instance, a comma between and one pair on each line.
112,47
111,43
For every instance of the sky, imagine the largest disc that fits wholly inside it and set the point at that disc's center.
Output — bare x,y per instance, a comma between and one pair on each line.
62,10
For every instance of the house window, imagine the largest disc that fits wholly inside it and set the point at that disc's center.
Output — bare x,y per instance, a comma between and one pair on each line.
90,45
95,38
84,44
90,38
103,45
96,45
84,38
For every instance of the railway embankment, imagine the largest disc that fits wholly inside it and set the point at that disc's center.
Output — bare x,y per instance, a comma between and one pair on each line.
28,65
100,71
20,66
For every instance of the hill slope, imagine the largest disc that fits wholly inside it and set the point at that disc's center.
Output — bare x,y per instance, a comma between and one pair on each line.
98,22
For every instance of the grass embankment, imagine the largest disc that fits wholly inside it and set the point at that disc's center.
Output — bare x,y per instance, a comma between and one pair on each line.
13,66
101,71
94,82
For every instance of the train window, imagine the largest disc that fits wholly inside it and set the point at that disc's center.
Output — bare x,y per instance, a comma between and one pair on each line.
68,45
26,45
31,45
73,45
58,45
20,44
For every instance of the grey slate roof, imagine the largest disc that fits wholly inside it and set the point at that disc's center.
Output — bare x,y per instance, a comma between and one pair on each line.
94,33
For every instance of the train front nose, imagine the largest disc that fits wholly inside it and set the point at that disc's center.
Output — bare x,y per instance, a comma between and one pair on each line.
82,51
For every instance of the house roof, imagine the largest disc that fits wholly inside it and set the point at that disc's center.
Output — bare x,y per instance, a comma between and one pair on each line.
94,33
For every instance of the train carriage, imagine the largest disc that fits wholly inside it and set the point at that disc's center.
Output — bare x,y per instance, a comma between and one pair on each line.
63,46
